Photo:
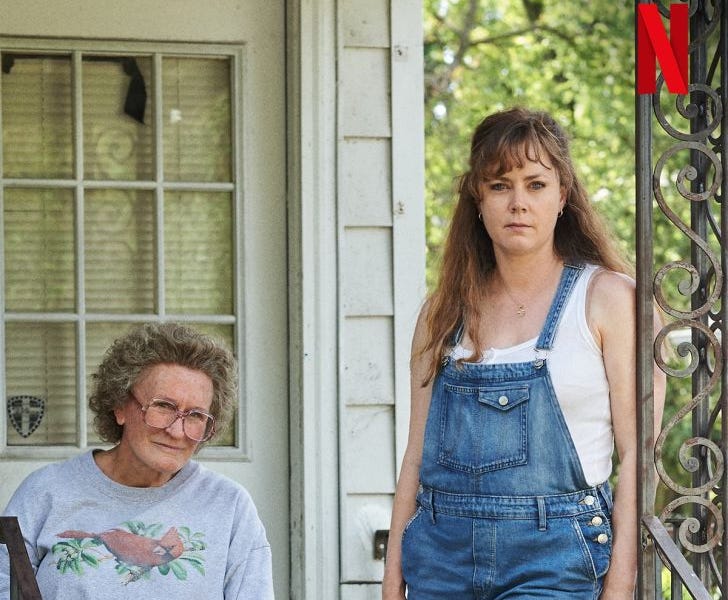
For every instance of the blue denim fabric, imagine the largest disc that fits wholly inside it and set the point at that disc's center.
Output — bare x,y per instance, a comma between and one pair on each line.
504,510
495,548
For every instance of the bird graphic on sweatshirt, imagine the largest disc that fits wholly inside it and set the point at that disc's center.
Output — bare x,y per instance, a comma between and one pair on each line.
135,550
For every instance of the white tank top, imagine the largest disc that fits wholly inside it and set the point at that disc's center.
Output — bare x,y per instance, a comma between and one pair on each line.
576,366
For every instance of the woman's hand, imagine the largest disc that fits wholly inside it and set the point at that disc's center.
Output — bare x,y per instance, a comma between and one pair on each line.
616,594
391,588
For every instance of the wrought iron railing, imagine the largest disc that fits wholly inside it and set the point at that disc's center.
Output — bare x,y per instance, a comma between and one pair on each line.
686,184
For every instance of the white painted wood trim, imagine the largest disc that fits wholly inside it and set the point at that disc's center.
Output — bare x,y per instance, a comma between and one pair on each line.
313,298
408,198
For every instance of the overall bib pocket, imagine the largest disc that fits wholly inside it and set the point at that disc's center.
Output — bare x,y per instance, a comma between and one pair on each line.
483,429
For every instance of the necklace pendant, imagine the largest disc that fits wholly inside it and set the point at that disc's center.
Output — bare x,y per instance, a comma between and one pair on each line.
521,311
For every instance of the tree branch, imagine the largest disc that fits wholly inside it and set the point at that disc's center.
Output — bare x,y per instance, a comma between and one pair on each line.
494,39
438,81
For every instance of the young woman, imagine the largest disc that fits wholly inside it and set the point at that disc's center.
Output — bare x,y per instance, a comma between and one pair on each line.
523,377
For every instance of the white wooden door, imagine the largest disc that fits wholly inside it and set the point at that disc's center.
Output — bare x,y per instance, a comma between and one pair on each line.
182,268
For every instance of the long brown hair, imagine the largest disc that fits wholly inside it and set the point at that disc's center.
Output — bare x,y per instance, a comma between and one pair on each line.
501,142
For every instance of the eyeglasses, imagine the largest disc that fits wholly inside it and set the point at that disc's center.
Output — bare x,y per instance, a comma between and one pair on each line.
160,414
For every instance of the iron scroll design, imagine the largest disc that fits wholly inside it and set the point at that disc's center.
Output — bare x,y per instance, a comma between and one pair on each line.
693,126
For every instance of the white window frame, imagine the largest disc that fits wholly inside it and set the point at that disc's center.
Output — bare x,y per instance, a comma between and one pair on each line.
240,451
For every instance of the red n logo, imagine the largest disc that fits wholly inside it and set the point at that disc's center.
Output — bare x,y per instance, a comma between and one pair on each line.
653,45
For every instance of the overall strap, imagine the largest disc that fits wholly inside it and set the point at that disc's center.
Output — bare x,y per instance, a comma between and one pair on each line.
453,341
569,277
458,335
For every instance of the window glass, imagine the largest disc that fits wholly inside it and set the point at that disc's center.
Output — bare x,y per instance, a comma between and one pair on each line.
198,252
197,133
119,239
37,131
39,250
40,380
118,140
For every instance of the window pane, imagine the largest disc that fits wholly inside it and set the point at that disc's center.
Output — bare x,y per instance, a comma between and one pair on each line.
36,117
39,250
197,139
116,144
41,383
198,251
119,232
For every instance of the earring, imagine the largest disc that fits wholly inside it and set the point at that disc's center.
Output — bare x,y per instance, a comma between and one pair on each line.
561,212
480,217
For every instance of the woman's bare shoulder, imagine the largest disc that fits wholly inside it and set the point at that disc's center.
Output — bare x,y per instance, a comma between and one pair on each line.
610,301
611,284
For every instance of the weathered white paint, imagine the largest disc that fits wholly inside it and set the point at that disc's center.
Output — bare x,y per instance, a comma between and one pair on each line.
365,103
181,20
364,514
366,181
371,591
355,201
368,364
365,23
408,196
312,297
368,454
381,268
366,277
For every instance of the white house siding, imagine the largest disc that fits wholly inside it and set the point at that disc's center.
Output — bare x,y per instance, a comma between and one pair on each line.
381,267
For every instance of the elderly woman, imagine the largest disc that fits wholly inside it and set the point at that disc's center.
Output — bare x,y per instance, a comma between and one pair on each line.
141,520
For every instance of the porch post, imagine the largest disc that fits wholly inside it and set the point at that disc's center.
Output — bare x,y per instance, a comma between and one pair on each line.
645,335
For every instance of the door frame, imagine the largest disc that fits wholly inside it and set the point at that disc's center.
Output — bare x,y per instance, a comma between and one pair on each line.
313,297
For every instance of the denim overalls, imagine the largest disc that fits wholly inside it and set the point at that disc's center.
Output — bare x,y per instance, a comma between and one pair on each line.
503,508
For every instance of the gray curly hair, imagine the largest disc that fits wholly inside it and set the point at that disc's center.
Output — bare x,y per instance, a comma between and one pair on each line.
160,343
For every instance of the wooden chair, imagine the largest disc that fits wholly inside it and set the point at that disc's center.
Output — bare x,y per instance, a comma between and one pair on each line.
23,585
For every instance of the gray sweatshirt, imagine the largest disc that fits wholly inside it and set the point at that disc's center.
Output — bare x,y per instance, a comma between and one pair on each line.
196,537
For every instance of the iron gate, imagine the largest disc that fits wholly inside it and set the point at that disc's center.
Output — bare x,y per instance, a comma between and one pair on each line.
681,172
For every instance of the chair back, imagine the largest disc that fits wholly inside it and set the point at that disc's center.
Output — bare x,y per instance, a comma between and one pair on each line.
23,585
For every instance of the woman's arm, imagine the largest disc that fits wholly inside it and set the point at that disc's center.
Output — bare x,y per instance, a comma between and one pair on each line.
393,587
612,318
